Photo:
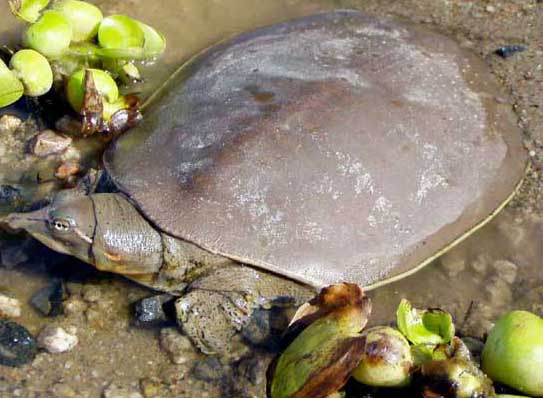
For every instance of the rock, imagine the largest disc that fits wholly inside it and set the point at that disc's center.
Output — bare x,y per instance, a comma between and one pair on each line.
253,368
116,391
48,142
92,293
453,263
152,388
508,51
506,270
154,310
56,340
208,369
62,390
74,306
177,346
48,300
9,307
13,255
9,123
17,346
480,264
10,195
66,170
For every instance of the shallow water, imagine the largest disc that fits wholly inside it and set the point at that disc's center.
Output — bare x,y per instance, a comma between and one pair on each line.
496,269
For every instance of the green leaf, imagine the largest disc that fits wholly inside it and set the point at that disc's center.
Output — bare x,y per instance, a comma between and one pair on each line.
120,32
154,41
430,327
11,89
51,35
28,10
84,17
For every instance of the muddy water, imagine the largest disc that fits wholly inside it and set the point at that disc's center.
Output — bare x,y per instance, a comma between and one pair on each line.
496,269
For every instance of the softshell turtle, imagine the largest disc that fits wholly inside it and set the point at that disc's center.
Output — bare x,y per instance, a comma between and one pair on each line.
335,147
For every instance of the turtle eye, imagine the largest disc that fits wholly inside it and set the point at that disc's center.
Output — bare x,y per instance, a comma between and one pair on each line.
61,225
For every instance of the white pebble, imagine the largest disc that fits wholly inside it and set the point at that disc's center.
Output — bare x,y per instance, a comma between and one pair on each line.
56,340
9,307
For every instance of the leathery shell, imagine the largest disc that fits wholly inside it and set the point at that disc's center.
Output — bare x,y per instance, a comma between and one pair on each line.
335,147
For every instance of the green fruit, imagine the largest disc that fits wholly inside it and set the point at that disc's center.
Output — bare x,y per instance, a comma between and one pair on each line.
513,352
120,32
387,359
104,83
84,18
51,35
11,89
33,70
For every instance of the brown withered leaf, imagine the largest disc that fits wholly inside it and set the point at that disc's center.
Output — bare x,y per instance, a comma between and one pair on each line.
325,345
93,107
338,299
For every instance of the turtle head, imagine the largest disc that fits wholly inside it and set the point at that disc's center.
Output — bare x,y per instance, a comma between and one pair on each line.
104,230
67,225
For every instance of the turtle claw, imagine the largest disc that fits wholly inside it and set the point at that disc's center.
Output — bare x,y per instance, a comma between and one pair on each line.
212,321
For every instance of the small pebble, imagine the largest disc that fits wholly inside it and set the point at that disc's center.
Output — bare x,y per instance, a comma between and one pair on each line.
117,391
508,51
9,123
208,369
62,390
66,170
17,346
177,346
74,306
506,270
9,307
152,310
490,9
152,388
56,340
10,194
48,143
48,300
12,256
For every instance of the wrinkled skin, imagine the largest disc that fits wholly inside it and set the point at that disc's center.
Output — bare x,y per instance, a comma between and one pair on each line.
218,295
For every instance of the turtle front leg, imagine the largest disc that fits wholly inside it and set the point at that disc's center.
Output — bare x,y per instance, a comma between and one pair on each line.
219,305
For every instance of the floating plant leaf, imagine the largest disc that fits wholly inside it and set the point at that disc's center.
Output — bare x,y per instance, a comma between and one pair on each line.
33,70
11,88
431,327
28,10
387,360
84,18
455,376
120,32
50,35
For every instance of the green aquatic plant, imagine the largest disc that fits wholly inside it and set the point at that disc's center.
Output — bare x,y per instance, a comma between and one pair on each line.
103,82
387,360
11,88
84,18
33,70
320,359
50,35
428,327
120,32
455,375
28,10
513,352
